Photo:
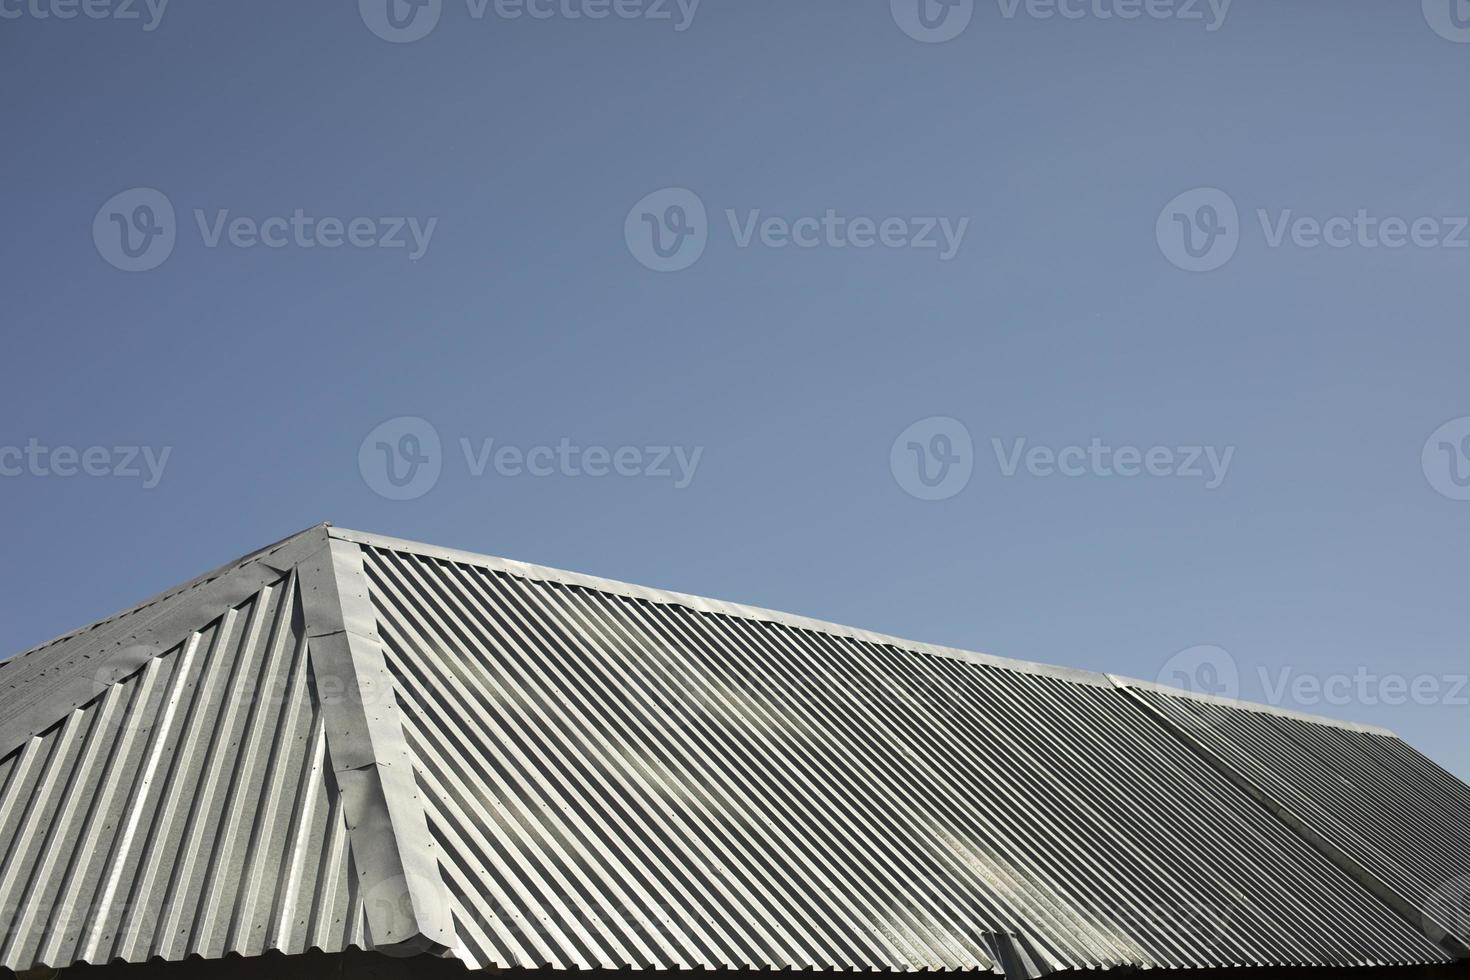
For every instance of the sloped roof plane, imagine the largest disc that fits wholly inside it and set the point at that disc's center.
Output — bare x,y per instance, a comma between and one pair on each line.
346,741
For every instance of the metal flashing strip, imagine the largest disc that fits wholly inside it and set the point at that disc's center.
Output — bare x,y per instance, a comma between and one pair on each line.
1390,896
406,901
68,678
663,597
541,573
1261,709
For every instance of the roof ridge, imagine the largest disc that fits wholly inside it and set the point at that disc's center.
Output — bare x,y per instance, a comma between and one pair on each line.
1077,675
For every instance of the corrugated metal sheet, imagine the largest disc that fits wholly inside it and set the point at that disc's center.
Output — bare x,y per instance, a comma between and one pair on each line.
619,782
187,809
348,740
1401,817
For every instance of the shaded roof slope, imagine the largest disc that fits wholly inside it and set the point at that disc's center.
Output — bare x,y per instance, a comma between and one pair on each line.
347,740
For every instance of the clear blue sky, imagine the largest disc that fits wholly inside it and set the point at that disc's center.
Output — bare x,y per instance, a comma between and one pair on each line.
532,315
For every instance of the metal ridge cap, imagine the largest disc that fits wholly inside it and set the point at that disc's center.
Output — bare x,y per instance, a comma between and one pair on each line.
1263,709
542,573
406,901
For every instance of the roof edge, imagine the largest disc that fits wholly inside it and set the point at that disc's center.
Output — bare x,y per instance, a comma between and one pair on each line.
1257,707
77,672
170,593
1076,675
542,573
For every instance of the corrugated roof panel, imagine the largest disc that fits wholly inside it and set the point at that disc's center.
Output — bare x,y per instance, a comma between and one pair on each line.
187,809
619,782
346,740
1397,813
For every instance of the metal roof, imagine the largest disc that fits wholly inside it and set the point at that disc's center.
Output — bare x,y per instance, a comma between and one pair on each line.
347,740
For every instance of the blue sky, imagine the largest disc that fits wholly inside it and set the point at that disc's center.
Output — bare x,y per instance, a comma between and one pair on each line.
1185,289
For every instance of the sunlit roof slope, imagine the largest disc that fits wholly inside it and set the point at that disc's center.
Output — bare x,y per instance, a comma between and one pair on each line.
347,740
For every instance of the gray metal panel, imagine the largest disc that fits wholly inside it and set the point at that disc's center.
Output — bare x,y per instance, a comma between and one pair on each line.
347,740
406,903
1401,817
187,809
618,781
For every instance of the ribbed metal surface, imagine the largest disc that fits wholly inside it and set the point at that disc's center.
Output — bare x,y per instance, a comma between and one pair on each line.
613,781
1405,819
187,809
346,737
